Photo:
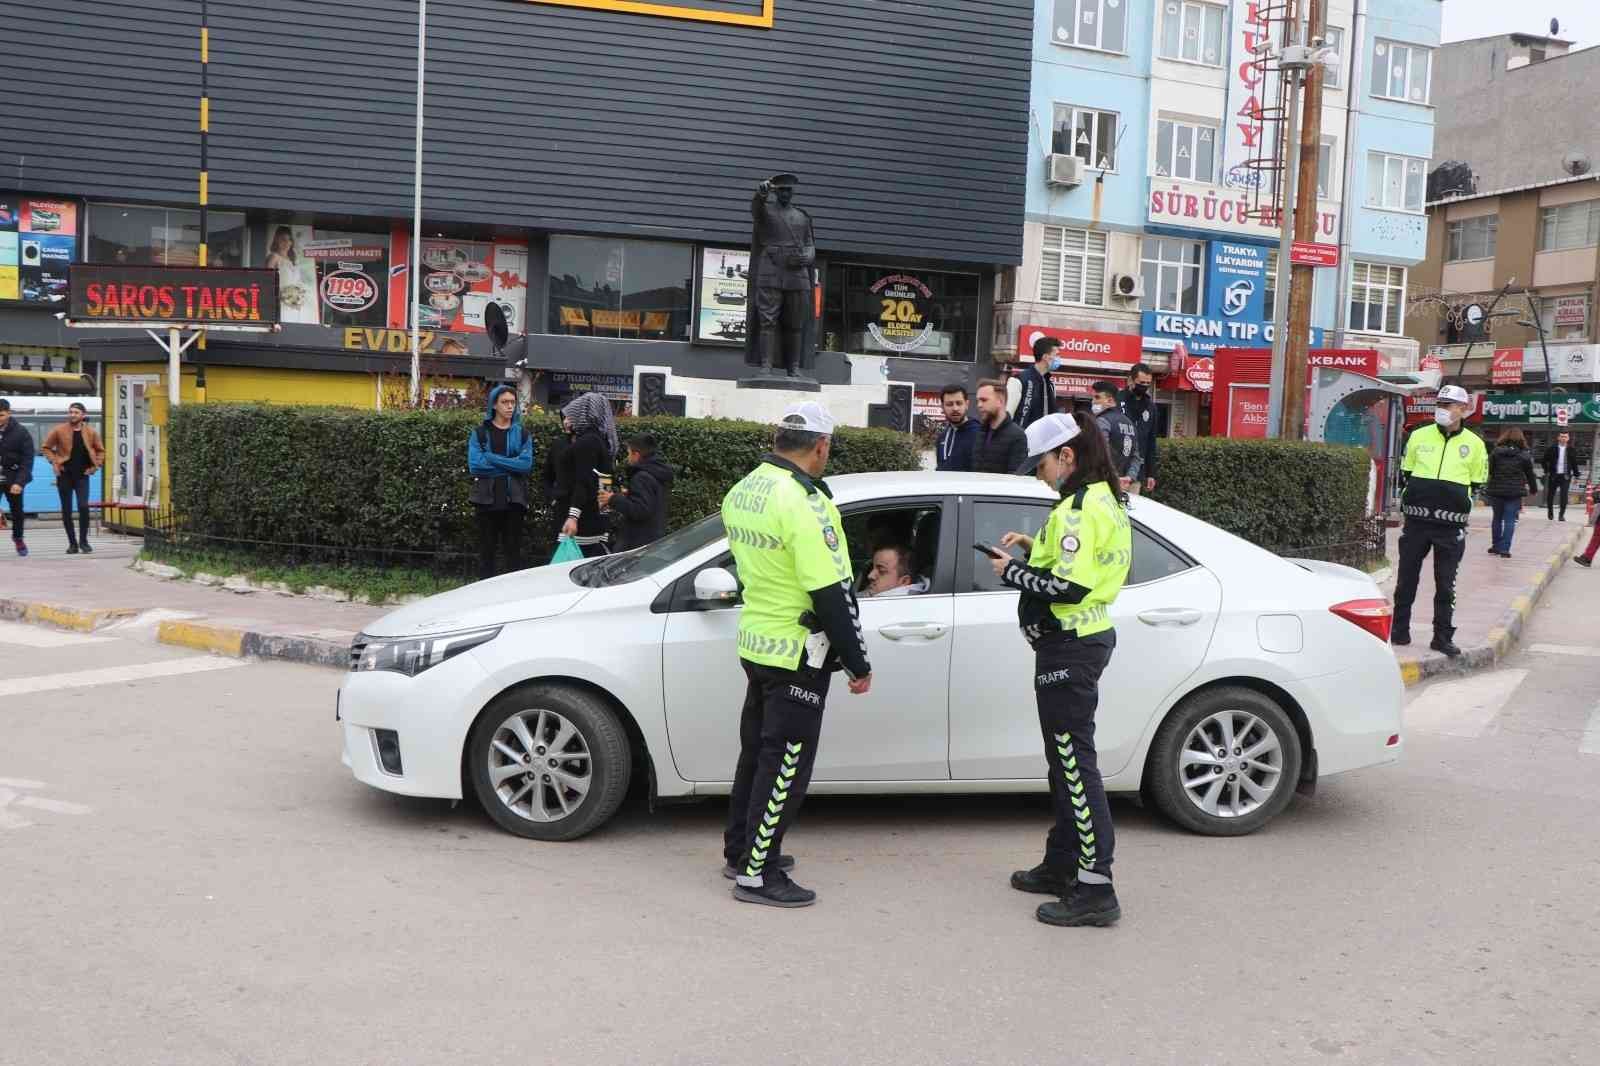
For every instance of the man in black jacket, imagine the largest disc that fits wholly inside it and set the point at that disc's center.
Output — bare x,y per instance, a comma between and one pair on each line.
1141,410
640,510
960,433
16,469
1121,434
1038,392
1001,447
1561,464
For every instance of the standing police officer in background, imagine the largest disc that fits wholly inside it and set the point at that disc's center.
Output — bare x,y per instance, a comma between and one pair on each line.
1076,566
800,622
1122,437
1445,463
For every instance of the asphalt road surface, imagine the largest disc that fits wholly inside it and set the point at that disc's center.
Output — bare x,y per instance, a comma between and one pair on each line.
188,875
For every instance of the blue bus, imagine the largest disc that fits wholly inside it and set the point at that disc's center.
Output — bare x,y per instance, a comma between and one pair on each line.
39,415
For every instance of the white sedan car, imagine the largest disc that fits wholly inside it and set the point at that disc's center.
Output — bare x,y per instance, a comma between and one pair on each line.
1239,677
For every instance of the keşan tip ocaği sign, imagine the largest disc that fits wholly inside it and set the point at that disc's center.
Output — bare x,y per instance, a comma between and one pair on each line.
202,296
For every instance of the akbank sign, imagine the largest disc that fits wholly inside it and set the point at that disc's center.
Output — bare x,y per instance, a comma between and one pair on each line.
1235,306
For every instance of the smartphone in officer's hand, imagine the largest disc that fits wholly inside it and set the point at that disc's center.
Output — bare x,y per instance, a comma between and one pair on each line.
990,550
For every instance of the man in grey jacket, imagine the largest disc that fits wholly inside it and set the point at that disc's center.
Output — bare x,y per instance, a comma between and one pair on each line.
1121,434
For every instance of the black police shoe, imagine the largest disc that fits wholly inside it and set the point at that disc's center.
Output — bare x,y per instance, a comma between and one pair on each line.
785,862
1043,880
1446,647
778,891
1400,637
1086,905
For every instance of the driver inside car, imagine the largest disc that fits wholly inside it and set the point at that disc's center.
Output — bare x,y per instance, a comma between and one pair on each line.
892,574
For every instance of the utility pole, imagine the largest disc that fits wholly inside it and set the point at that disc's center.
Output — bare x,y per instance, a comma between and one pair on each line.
1280,317
1307,216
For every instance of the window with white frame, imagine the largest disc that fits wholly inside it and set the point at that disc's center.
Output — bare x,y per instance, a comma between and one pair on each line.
1192,32
1377,298
1171,272
1471,238
1087,133
1401,71
1569,226
1271,286
1333,78
1098,24
1396,182
1327,151
1186,149
1073,268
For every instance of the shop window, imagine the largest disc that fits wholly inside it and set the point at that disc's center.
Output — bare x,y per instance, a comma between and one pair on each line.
1471,238
459,279
1098,24
1186,150
1089,134
1377,298
163,236
637,290
1401,71
1171,271
907,311
1192,32
1073,267
1569,226
1395,182
1333,37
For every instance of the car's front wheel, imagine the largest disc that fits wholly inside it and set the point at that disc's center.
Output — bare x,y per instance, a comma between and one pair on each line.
549,762
1225,762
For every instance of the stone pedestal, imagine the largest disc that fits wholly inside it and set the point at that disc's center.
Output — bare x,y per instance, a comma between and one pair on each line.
777,379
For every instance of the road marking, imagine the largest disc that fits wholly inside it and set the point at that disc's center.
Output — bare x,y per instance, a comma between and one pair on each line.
9,819
1565,649
1463,708
1590,745
26,636
116,675
19,782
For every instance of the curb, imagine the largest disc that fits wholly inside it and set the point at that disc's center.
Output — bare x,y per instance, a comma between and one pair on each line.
1505,634
83,620
249,644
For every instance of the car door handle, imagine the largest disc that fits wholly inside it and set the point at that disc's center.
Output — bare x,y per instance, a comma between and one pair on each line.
1170,616
914,631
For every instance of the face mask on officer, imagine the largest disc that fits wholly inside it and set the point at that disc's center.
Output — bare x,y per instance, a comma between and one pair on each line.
1448,415
1056,467
1099,407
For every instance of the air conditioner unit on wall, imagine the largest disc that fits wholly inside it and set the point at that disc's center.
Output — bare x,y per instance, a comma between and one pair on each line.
1065,170
1127,286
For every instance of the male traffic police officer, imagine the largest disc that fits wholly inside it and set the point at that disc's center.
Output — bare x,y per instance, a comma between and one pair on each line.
800,622
1443,466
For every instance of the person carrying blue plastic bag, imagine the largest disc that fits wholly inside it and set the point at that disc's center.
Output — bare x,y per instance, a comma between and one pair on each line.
500,458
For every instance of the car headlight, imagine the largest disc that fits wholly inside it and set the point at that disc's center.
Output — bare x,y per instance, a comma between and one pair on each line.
412,655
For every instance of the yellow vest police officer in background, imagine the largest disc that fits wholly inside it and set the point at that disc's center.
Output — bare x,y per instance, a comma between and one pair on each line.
1444,465
1076,566
800,624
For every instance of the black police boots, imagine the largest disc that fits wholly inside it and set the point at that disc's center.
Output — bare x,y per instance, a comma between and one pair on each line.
1400,637
778,891
1085,905
1043,880
1445,646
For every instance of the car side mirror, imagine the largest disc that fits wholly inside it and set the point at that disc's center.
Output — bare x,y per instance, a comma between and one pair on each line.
716,587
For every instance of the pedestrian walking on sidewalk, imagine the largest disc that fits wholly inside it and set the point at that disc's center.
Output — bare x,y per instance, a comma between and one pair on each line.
1587,558
1444,465
639,511
593,457
76,452
1510,479
1561,465
16,470
500,458
1140,408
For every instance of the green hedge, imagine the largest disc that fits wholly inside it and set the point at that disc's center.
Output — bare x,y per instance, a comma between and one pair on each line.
381,484
1278,494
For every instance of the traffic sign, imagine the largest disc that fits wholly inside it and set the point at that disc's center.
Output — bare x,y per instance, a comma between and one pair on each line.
1310,253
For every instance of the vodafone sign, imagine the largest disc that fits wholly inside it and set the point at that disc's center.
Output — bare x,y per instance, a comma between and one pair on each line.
1082,346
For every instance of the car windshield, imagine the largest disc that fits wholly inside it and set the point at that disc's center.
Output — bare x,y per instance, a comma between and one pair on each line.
642,562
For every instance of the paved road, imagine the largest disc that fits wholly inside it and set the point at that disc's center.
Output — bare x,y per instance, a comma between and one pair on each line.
187,875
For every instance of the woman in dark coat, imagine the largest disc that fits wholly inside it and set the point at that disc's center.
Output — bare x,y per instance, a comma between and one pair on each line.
593,458
1510,478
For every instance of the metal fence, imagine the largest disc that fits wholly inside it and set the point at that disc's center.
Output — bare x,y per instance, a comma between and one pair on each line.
1363,547
165,532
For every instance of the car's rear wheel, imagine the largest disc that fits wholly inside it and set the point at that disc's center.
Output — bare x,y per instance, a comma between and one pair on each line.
549,762
1225,762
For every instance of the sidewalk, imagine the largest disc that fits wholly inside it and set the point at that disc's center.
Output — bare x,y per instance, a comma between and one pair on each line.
1494,596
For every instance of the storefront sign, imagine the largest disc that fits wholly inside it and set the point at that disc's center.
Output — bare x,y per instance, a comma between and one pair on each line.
611,386
1235,306
191,295
1568,363
1191,205
1501,408
398,341
38,242
1310,253
903,324
1571,311
724,296
1355,360
1247,410
750,13
1251,89
1506,367
1083,346
1202,373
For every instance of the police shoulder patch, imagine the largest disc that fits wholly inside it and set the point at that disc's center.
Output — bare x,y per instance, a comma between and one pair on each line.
1465,451
1069,544
831,538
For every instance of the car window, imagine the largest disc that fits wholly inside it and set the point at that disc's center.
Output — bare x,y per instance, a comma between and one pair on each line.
642,562
915,528
1153,558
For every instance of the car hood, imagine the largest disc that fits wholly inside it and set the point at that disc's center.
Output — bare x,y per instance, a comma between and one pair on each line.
542,592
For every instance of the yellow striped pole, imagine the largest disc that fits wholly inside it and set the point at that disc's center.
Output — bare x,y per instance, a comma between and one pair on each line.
205,176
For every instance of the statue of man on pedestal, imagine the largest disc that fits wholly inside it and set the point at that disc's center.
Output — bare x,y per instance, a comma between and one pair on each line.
783,256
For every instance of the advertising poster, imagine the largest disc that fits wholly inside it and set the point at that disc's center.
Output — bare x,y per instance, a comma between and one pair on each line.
10,219
297,272
459,278
724,292
352,277
904,322
1247,411
38,242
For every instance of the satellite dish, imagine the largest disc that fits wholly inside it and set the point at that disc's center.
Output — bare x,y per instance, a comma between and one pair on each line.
1576,162
494,324
1555,27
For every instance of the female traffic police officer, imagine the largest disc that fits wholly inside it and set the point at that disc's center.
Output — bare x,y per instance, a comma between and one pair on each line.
1076,566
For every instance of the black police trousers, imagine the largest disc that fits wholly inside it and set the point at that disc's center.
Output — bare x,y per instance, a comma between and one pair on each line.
1448,544
1066,686
778,732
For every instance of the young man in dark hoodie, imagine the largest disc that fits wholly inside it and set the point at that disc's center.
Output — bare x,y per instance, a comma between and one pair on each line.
500,458
16,469
640,510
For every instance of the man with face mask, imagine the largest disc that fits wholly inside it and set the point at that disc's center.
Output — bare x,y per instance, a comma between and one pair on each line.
1121,434
1038,391
1141,411
1444,464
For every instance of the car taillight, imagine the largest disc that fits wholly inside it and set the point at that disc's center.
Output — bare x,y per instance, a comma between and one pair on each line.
1372,615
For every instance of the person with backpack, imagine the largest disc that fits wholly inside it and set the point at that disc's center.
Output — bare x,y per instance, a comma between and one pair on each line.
593,458
640,509
500,458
